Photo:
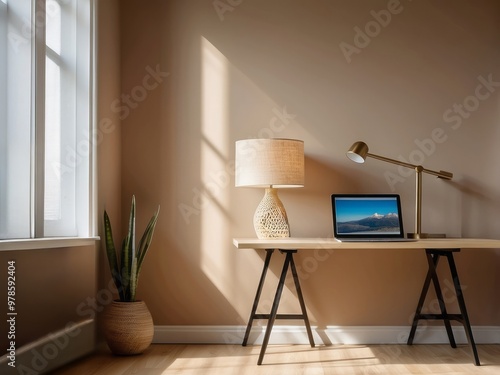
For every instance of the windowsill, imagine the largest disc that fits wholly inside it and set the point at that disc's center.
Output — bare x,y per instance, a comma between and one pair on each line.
46,243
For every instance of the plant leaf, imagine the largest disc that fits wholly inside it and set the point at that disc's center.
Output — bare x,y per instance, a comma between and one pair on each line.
133,280
111,254
147,236
124,267
146,240
128,252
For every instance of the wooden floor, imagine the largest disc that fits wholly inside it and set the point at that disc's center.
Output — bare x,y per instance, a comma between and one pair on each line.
291,359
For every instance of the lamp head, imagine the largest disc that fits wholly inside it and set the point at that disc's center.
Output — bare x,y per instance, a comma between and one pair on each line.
358,152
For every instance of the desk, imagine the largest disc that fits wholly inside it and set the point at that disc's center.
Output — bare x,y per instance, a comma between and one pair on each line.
434,250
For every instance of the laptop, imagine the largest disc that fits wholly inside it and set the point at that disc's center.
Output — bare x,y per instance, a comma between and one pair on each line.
367,217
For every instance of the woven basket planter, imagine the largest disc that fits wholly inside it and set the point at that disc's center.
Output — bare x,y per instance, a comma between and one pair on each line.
127,327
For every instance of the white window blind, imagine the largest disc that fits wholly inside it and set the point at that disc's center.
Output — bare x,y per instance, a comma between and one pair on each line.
45,118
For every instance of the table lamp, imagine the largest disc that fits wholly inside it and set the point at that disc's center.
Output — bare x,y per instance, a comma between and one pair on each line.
271,164
359,152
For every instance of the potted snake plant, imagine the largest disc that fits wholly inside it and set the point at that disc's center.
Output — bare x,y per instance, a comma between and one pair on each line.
127,323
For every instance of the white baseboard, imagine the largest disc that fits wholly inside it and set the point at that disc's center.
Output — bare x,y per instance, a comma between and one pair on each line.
52,351
354,335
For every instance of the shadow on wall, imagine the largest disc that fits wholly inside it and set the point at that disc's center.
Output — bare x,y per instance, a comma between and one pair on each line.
480,204
321,180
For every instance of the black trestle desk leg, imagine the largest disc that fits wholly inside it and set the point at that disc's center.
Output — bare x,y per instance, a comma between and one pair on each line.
269,253
463,309
439,294
288,263
432,261
420,304
433,256
274,309
301,301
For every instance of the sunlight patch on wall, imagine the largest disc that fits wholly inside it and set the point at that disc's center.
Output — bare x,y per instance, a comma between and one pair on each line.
217,256
214,157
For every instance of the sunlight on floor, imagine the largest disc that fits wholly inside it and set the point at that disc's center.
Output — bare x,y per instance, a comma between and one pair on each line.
292,359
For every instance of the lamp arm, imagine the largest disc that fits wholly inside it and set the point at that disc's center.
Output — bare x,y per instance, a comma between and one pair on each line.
440,174
392,161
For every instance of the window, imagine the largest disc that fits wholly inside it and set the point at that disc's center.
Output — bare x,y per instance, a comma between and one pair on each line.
45,118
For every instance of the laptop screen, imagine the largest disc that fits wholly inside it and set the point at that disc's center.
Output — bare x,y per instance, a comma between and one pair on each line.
367,216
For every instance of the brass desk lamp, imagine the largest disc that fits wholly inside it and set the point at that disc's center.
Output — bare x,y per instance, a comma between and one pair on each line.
359,152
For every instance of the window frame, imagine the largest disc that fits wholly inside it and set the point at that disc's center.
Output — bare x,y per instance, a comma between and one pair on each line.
85,213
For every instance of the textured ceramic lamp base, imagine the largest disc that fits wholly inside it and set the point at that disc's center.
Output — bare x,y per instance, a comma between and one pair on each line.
270,220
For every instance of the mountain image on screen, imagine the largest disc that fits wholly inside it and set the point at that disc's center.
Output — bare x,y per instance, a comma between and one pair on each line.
373,223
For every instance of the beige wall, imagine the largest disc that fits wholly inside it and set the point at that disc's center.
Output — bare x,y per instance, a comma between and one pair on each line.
234,75
108,123
50,286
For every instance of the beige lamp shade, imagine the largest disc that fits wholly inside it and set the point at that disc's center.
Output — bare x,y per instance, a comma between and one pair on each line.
273,162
